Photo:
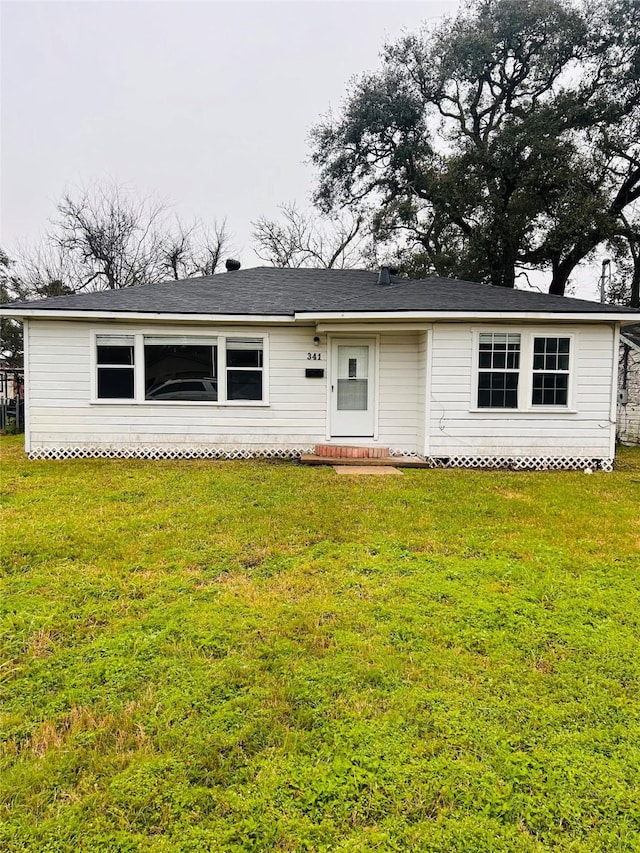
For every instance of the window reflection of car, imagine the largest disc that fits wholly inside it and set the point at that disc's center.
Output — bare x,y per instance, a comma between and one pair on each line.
184,389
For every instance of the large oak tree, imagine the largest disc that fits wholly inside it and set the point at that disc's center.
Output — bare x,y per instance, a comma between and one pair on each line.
508,137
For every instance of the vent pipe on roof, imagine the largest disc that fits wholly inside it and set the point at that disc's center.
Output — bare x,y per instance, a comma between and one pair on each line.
232,265
384,276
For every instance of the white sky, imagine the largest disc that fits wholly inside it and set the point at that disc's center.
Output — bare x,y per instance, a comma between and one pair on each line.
206,105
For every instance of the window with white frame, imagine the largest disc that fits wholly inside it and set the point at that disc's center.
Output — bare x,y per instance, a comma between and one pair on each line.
179,368
244,368
115,367
550,383
498,370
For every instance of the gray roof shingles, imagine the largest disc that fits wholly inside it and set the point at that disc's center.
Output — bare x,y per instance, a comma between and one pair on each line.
273,291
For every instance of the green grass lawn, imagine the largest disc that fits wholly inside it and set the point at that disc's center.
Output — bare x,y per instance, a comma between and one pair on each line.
255,656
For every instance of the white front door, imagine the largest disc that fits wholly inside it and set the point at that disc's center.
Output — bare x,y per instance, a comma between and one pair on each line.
352,388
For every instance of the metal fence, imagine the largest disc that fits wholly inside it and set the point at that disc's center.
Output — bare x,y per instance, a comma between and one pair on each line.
11,399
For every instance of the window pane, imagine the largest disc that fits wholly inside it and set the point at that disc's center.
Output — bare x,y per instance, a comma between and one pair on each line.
353,362
499,351
168,366
115,383
115,340
498,390
115,354
352,395
243,357
550,389
244,385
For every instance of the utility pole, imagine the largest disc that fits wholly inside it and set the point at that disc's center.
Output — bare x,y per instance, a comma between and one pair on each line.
605,278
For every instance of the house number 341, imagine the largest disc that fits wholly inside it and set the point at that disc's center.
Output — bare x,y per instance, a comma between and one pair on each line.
314,356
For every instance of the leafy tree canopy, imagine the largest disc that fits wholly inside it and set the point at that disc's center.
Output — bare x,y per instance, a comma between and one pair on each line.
11,341
508,137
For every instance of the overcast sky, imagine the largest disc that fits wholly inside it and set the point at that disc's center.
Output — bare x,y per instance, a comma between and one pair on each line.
207,105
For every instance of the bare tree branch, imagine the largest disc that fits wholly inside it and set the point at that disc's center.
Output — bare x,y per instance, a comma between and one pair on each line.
302,240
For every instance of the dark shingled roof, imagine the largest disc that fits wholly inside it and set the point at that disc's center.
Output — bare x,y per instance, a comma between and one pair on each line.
268,290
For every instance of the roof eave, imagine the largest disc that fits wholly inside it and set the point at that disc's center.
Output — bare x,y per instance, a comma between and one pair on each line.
62,314
478,316
319,316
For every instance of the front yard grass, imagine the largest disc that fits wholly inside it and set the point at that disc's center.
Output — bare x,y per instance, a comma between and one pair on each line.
255,656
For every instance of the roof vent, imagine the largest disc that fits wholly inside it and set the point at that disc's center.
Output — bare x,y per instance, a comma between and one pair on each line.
384,276
232,265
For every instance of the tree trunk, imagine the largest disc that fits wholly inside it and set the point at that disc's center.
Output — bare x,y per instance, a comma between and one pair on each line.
635,283
561,270
503,267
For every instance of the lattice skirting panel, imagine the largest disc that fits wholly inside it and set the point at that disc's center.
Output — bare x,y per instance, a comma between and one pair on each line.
513,463
523,463
154,452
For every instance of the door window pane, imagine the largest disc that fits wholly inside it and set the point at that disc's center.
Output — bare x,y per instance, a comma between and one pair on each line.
352,395
353,362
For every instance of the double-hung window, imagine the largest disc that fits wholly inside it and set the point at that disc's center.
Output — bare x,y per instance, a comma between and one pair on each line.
550,386
523,371
174,368
115,367
244,368
498,370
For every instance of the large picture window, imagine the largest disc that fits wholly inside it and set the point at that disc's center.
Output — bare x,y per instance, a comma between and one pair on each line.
180,369
175,368
498,370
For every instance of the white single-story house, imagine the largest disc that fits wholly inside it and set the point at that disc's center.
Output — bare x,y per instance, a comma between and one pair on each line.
629,386
275,362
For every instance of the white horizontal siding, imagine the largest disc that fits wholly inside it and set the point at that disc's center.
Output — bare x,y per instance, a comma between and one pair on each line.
456,429
60,410
398,397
